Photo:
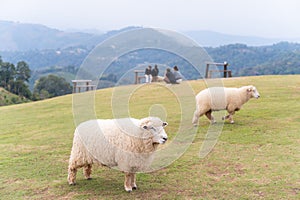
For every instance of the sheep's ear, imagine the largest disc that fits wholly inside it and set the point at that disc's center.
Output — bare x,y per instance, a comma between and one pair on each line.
165,124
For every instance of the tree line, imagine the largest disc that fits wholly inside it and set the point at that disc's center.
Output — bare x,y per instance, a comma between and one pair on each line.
15,79
280,58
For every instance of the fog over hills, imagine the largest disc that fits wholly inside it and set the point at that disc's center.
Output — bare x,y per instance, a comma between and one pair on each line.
16,36
23,37
215,39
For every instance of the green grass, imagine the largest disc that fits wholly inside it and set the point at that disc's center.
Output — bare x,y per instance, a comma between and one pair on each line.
8,98
258,157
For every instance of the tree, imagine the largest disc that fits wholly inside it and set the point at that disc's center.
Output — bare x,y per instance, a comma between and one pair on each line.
23,72
14,79
7,74
20,88
51,86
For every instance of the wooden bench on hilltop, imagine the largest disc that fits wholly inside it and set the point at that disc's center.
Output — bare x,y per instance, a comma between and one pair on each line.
226,72
82,86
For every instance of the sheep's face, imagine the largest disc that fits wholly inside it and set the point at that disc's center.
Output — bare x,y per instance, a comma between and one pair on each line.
155,127
160,136
252,91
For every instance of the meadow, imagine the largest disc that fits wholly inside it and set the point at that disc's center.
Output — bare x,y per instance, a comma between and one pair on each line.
258,157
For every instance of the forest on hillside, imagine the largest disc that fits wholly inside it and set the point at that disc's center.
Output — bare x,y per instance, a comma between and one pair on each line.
14,84
280,58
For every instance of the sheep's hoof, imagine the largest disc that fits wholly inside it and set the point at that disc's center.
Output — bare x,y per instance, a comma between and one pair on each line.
232,122
128,190
89,178
134,188
71,184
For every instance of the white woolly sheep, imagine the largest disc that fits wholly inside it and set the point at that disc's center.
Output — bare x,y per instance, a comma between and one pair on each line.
127,144
222,98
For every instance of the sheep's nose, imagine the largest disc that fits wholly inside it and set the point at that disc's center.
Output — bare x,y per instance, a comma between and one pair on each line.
165,139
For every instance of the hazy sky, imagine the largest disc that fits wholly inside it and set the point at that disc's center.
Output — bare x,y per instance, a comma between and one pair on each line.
267,18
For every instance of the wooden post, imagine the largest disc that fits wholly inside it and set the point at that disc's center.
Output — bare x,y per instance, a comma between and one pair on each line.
209,74
225,69
206,72
136,77
74,87
87,86
229,73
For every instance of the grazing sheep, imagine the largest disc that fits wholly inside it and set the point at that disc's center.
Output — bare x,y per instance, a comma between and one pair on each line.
221,98
127,144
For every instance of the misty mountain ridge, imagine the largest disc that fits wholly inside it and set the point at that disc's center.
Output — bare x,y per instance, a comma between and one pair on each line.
208,38
23,37
15,36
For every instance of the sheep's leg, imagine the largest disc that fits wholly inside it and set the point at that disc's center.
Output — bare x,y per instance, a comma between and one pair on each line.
230,117
225,117
197,115
72,175
133,181
128,181
87,170
196,118
210,117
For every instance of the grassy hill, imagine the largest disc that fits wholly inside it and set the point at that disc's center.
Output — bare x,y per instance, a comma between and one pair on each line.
255,158
7,98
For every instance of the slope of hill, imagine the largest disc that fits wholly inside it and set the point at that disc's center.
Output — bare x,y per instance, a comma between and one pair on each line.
7,98
24,37
255,158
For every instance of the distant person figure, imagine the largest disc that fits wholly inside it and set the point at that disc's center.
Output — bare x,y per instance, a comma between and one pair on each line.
169,77
148,75
177,74
154,73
